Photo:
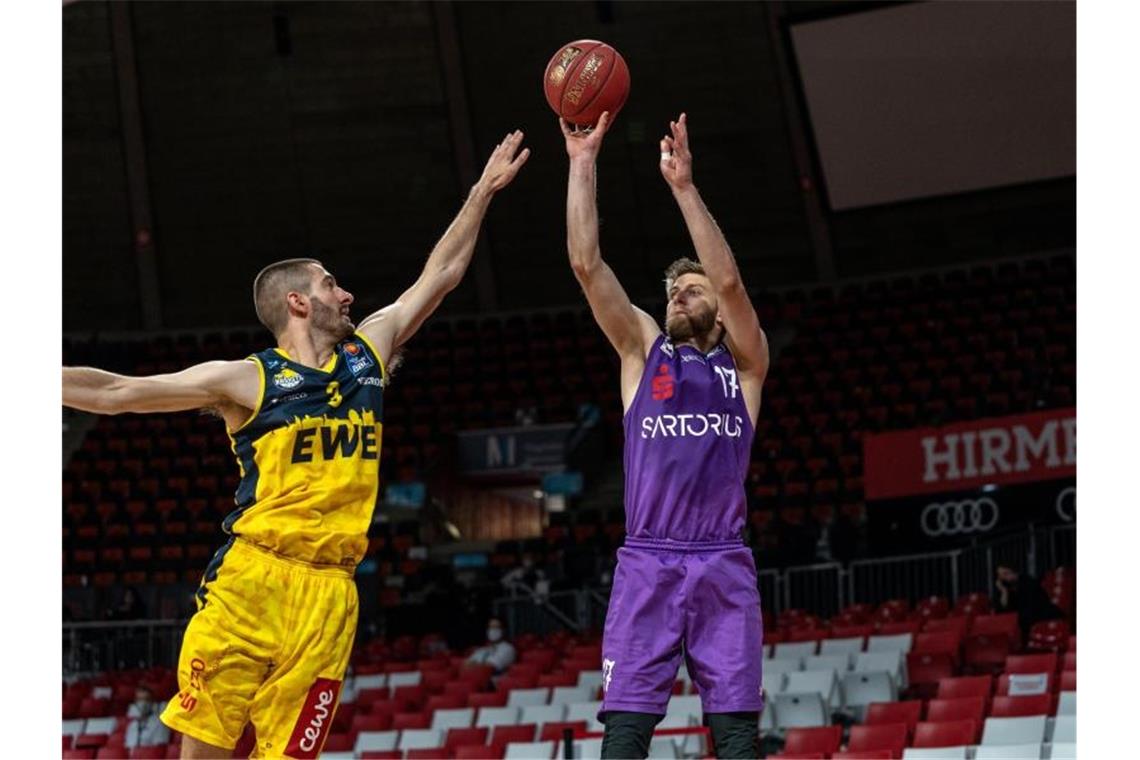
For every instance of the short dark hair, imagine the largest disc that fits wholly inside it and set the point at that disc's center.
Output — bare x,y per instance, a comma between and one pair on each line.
679,267
273,283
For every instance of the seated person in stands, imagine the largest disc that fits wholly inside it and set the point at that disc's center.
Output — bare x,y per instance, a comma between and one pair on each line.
497,652
1022,593
144,728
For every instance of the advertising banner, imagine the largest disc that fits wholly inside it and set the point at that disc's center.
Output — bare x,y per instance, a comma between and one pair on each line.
967,455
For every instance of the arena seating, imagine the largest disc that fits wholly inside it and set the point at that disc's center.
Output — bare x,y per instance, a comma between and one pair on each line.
864,357
398,703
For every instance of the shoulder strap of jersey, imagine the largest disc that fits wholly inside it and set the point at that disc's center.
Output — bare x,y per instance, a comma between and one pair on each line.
371,349
257,359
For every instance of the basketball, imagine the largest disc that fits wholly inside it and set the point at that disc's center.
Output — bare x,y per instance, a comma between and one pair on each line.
585,78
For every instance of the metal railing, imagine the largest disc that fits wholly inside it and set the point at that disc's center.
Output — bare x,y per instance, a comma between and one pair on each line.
1062,545
770,592
96,647
818,588
912,576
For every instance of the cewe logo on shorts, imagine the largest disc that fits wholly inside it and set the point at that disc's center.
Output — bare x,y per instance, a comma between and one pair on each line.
315,720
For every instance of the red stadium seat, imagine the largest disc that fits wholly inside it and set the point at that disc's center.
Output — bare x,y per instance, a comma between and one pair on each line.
1048,635
413,696
1017,707
488,699
425,753
149,753
848,632
897,627
939,642
339,742
79,754
952,733
1069,662
477,752
401,721
889,736
1031,663
926,671
371,722
960,708
976,603
993,625
501,736
985,653
382,754
803,741
1067,681
932,607
908,712
956,625
864,754
445,702
459,737
553,731
966,686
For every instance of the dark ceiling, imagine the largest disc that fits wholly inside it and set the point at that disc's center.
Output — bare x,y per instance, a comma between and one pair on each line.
273,130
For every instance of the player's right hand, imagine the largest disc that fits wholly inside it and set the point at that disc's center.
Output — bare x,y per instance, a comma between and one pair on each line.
504,163
585,143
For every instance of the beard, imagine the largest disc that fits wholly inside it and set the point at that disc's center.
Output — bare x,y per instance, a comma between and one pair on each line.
330,321
681,327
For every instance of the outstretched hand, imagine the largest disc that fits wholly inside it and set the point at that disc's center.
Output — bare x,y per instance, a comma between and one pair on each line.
676,160
505,162
585,143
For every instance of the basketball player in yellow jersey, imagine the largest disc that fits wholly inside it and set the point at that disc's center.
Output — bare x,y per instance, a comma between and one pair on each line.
277,606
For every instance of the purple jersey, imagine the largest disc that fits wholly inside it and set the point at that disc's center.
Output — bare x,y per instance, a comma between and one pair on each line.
688,439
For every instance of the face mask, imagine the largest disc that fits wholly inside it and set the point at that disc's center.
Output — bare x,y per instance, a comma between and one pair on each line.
494,634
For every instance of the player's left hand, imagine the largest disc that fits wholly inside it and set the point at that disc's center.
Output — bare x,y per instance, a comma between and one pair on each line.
676,160
504,163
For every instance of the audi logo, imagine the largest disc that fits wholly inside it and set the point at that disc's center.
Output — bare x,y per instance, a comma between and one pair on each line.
1066,504
959,517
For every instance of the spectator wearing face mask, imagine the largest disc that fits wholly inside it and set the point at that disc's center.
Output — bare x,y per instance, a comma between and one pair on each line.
497,652
144,729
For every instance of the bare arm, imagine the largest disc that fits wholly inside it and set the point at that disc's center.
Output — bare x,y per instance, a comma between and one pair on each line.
391,327
630,330
219,385
745,337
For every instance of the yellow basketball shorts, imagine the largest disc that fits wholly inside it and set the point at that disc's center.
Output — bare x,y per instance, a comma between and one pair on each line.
269,645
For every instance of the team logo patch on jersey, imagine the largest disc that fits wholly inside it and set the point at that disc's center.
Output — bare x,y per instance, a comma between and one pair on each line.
359,363
662,384
287,379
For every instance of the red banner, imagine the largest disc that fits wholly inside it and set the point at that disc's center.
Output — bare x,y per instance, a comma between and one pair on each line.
999,450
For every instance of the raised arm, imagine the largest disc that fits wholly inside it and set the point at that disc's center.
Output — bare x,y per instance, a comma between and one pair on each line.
744,336
395,324
232,388
630,330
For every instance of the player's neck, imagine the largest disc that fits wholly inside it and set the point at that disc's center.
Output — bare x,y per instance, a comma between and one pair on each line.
307,349
704,344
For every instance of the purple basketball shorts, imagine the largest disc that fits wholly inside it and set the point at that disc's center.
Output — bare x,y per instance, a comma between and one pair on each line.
671,600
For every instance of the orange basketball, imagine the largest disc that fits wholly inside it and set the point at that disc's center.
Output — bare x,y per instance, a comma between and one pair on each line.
585,78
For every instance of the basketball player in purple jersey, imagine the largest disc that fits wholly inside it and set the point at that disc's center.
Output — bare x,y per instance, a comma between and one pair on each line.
685,584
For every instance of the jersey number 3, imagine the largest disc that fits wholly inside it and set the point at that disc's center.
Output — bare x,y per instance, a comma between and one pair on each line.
333,391
728,381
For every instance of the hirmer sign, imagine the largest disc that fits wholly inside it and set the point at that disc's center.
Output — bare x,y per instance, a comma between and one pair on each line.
1003,450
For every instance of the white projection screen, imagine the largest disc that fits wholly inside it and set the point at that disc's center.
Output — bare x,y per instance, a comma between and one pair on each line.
934,98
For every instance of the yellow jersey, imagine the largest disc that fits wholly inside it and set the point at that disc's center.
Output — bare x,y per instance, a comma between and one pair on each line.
309,456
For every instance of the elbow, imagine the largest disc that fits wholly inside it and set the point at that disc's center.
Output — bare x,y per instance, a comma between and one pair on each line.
584,269
732,287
